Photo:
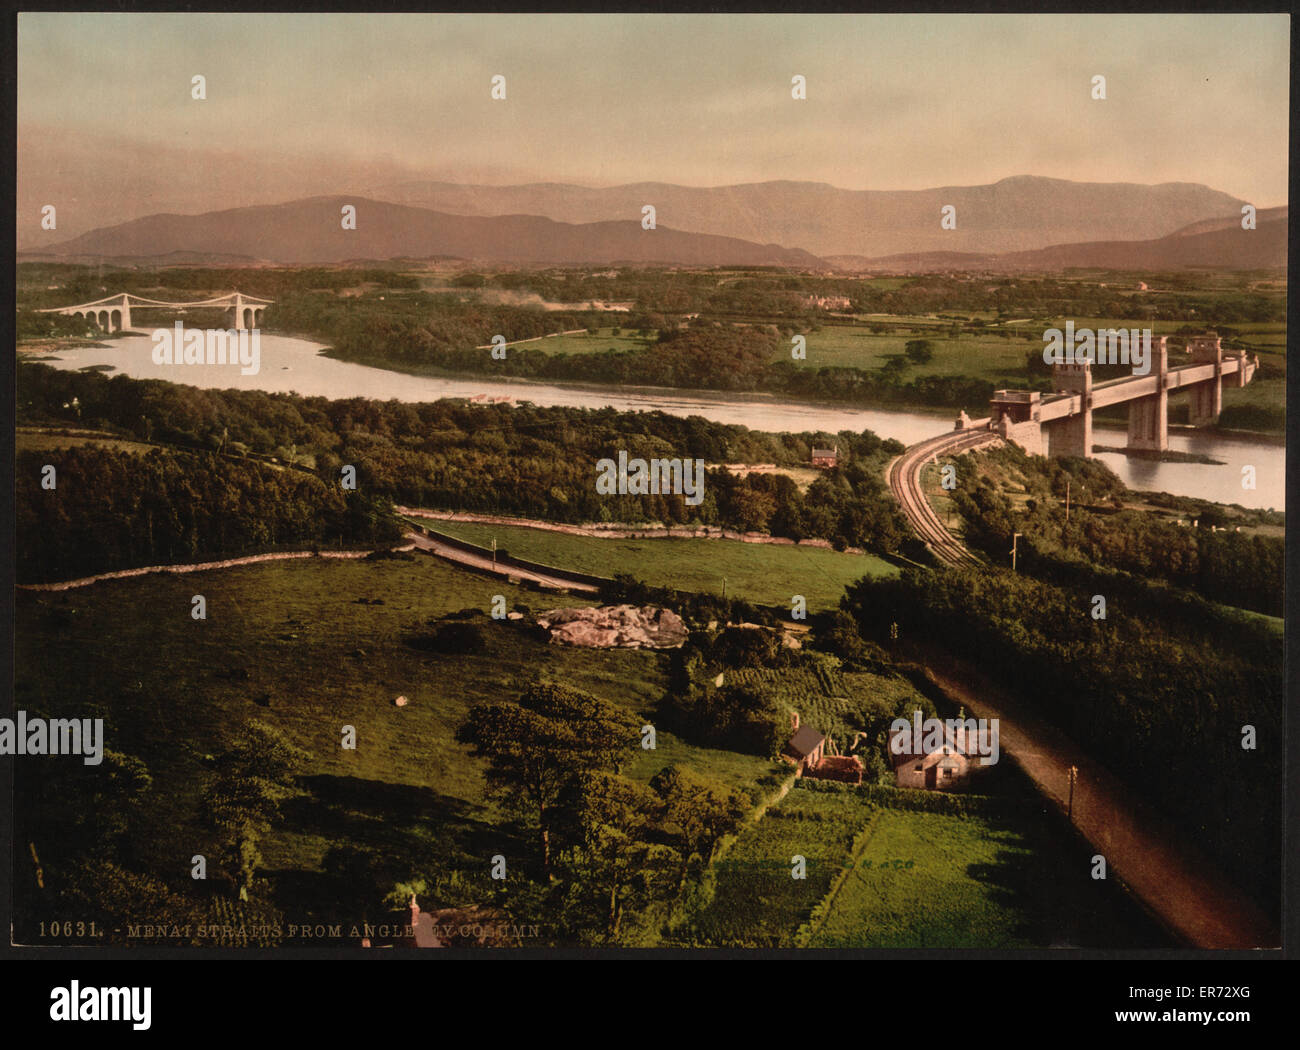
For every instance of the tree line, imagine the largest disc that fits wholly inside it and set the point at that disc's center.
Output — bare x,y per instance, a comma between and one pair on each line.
110,509
525,460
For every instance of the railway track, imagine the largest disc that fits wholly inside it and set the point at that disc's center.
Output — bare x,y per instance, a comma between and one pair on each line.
905,481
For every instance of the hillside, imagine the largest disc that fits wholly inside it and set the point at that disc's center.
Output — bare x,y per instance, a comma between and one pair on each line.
310,231
1019,213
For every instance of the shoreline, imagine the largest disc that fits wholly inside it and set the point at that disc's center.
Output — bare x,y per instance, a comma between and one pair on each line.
704,396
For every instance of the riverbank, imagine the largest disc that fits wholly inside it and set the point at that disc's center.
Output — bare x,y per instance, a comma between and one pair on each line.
307,369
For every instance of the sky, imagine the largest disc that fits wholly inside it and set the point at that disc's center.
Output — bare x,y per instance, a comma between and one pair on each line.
302,104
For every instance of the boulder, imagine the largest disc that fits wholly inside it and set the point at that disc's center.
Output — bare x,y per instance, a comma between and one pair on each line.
615,627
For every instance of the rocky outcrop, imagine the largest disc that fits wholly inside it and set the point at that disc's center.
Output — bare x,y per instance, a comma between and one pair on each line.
615,627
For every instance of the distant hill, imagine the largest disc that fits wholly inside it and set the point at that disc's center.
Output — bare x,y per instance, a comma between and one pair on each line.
1213,243
1020,213
310,231
1225,246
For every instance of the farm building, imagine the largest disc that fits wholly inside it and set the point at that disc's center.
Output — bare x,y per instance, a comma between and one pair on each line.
845,768
938,770
825,457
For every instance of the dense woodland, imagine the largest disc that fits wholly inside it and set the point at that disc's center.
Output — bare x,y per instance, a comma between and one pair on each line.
112,510
523,461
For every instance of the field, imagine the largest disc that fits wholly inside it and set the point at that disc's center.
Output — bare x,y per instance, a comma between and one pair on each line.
586,343
997,360
766,574
291,644
931,880
918,880
756,902
33,439
984,357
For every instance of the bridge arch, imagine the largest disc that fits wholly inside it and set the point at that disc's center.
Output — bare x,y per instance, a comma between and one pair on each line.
115,321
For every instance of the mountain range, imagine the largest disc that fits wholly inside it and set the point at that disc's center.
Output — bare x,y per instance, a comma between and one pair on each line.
1018,223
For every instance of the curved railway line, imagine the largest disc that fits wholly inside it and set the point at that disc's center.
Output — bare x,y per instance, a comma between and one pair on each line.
905,482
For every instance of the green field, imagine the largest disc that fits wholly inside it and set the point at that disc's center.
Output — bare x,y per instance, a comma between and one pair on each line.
985,357
756,902
766,574
295,636
918,880
931,880
586,343
28,439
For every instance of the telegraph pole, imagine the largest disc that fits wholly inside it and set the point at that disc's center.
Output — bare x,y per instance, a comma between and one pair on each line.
1014,536
1074,776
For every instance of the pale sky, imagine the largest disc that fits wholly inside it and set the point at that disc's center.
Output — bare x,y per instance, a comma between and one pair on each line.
894,101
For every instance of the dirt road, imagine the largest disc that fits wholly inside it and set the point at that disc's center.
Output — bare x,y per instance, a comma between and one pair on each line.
1176,882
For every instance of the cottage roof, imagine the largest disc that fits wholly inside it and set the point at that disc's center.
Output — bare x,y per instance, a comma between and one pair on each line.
805,741
954,744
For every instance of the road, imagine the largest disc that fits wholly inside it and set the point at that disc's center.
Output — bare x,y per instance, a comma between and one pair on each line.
1174,880
905,481
482,564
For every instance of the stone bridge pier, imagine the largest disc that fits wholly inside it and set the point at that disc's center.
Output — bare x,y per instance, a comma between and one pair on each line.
1206,397
246,314
1072,435
1148,417
1060,423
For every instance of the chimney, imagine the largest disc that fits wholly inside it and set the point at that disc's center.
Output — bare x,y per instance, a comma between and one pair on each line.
415,912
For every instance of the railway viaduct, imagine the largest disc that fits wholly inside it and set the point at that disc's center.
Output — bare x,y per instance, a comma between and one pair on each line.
1060,423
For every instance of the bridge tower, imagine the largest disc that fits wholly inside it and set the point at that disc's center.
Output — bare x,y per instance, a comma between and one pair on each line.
1072,436
124,316
1207,397
1148,417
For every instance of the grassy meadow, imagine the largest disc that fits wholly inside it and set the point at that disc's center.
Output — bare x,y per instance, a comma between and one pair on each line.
765,574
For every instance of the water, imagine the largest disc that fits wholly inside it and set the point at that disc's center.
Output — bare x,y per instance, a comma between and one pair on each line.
294,365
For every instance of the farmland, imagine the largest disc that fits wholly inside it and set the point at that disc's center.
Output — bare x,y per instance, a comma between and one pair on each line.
295,645
765,574
927,880
1001,879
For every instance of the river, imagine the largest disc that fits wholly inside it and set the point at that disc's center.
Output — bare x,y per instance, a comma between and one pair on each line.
295,365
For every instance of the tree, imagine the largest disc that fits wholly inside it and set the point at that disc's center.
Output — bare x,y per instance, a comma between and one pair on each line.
838,633
614,861
537,747
83,810
697,811
251,778
919,351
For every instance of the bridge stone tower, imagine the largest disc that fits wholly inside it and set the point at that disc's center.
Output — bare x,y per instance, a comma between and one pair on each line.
1148,417
1207,397
1072,436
